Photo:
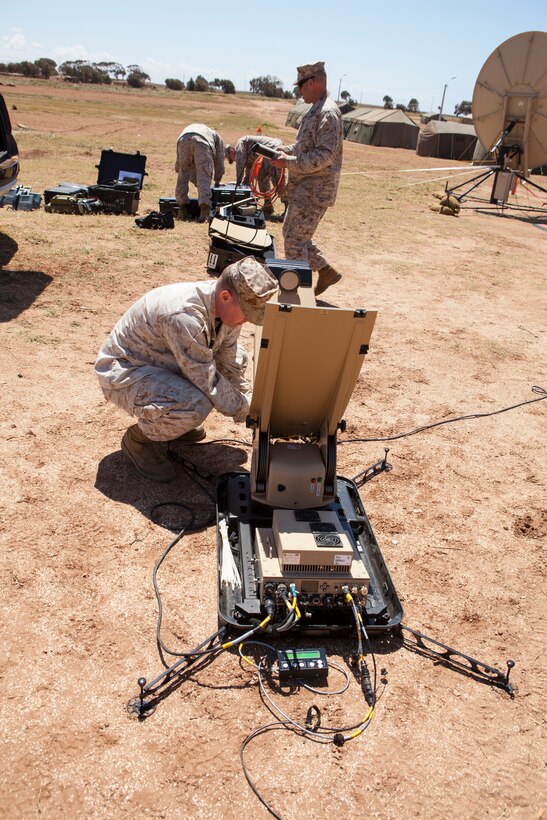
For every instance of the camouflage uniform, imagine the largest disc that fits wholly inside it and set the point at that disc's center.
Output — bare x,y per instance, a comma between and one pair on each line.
169,363
200,155
314,174
245,158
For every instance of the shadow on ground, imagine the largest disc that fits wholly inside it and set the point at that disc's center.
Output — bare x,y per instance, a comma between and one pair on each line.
189,500
8,249
18,290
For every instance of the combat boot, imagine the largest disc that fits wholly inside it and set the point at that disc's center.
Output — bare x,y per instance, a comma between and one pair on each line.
327,277
146,456
184,213
204,212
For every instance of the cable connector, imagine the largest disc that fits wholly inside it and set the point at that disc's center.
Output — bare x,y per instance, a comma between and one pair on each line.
269,606
366,684
282,591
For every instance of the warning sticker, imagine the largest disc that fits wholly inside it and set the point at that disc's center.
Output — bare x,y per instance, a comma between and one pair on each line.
213,260
291,558
342,560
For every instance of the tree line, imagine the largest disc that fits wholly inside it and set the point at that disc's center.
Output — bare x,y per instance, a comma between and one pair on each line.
84,71
413,105
461,109
80,71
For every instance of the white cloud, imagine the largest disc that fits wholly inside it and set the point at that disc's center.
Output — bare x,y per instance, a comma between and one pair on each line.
79,52
15,42
16,47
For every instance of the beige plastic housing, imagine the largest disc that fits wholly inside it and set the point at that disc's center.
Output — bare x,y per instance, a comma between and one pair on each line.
309,359
311,546
315,579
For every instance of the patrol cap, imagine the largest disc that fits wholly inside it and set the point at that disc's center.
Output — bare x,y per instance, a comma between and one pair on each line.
305,72
255,285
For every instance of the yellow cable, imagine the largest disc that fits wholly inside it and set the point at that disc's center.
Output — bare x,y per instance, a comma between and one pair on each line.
229,644
362,727
244,657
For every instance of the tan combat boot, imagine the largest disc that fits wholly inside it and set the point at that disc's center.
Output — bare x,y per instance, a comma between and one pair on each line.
327,277
204,212
146,457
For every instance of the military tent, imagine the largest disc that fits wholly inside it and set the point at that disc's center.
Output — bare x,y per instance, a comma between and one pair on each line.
300,108
348,119
449,140
381,126
296,113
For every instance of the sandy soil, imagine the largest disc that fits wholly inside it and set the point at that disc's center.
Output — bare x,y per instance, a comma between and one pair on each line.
460,519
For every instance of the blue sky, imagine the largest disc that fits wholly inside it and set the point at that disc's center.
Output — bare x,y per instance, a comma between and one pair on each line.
401,48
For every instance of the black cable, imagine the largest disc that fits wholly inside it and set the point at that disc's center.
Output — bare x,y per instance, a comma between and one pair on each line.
189,528
161,646
261,730
535,389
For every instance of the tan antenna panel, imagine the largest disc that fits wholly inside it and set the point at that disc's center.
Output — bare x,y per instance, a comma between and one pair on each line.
512,88
309,362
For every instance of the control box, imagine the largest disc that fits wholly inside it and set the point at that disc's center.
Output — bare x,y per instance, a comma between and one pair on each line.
302,663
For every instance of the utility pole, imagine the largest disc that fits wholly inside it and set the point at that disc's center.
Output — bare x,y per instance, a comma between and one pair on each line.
442,100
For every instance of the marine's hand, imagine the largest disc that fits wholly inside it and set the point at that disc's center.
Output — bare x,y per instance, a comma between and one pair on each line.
280,161
243,412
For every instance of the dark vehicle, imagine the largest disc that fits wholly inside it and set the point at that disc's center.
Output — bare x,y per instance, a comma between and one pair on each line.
9,154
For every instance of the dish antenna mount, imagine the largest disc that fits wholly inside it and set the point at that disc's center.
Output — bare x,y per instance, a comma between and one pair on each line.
510,115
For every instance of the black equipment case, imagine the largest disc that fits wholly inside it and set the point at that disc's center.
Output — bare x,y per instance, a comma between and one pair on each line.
119,180
230,194
65,189
240,609
223,251
169,203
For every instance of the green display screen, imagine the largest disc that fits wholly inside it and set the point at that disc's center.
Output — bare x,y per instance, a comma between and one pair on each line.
308,654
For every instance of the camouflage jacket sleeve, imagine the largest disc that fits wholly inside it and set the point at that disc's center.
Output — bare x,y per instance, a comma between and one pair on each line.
319,140
219,158
217,371
241,159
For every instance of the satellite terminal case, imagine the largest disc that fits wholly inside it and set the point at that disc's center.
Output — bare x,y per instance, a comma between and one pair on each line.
292,520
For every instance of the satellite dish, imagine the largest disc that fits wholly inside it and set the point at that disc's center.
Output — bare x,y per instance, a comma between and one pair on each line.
510,101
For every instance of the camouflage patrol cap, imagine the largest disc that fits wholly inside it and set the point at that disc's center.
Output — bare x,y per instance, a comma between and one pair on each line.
305,72
255,284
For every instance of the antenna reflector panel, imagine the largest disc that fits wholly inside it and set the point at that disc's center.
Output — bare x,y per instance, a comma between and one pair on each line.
510,99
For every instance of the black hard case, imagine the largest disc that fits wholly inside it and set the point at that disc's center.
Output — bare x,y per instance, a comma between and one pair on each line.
115,168
223,253
120,180
65,189
231,193
122,198
169,203
240,608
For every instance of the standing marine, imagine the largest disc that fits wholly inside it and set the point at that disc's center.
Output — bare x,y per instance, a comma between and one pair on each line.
200,157
314,162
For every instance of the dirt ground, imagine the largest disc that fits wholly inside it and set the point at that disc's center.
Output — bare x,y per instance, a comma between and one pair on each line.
460,519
